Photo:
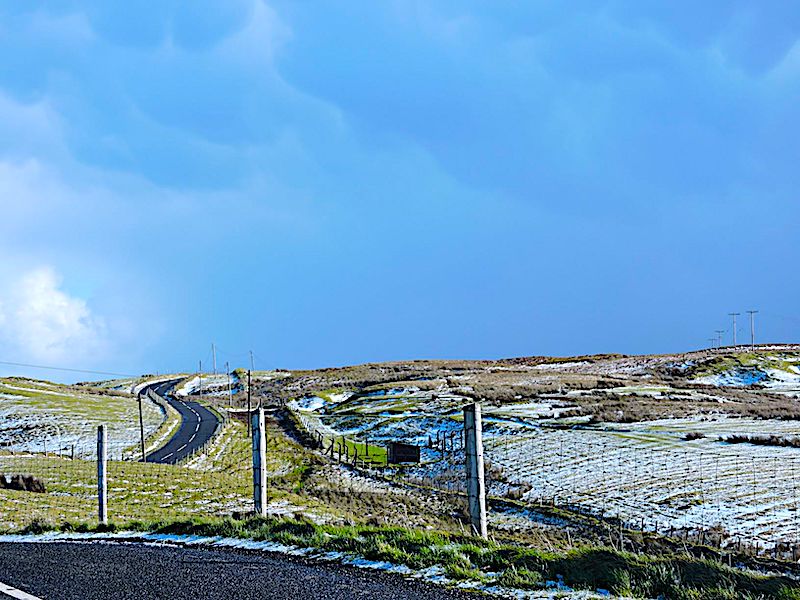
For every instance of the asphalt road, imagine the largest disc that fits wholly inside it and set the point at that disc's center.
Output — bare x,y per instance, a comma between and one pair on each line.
198,425
133,571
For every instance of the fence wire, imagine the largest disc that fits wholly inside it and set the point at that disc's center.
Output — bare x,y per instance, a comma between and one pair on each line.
39,488
723,496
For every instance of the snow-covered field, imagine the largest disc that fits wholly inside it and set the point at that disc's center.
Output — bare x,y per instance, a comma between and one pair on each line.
35,416
645,473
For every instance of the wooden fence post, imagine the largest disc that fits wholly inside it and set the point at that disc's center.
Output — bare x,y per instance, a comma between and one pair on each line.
102,475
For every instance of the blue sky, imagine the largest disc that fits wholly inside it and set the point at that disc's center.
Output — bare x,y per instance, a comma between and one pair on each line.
328,183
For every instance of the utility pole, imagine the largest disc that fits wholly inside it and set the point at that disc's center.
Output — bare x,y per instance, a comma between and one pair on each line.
249,409
259,437
734,315
752,314
214,357
252,362
713,342
719,333
230,395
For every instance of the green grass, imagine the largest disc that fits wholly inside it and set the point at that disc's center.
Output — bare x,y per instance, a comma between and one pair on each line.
720,365
36,395
464,558
135,491
376,454
76,404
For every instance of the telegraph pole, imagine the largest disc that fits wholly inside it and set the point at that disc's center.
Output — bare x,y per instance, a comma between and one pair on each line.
713,342
249,409
719,333
752,314
230,396
214,357
257,424
734,315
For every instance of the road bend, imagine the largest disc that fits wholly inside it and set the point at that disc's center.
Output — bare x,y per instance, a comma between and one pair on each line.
198,425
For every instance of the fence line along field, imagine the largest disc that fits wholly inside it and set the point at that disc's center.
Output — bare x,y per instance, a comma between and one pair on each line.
703,445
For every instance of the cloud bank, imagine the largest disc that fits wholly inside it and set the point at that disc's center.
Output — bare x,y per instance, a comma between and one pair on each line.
526,178
39,321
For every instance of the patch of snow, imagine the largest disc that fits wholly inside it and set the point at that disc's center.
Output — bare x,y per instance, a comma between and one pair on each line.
560,366
308,403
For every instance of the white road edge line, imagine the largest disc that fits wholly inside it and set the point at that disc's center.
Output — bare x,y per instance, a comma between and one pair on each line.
7,590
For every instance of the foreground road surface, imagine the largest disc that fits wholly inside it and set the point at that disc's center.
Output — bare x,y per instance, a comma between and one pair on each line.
132,571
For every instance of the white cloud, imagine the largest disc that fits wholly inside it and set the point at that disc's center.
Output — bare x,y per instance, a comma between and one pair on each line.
40,321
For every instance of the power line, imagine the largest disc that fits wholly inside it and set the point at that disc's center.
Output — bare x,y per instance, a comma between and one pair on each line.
50,368
236,355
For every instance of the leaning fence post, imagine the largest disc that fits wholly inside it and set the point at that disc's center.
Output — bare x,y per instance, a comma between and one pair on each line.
102,479
259,462
476,486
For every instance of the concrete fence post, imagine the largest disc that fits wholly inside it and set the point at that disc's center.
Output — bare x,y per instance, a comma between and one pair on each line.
102,475
476,485
259,462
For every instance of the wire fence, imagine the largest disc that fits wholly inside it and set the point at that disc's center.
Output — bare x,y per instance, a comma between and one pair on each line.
352,450
56,487
722,497
725,498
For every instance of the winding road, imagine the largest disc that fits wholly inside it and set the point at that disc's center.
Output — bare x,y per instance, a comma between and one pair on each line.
198,425
136,571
